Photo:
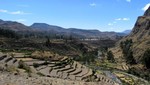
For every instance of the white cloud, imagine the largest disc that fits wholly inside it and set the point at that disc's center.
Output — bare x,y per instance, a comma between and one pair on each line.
3,11
128,0
118,19
19,13
125,19
146,7
113,23
92,4
110,24
122,19
20,20
14,13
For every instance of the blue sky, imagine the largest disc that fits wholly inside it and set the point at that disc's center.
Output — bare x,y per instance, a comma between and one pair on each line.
104,15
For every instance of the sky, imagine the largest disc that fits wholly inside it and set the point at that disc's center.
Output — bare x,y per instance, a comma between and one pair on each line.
103,15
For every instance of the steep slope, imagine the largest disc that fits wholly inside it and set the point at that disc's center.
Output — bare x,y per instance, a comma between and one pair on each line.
147,13
140,36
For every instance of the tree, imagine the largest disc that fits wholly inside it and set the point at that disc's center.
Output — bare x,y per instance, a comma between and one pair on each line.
48,43
126,47
9,33
146,58
110,56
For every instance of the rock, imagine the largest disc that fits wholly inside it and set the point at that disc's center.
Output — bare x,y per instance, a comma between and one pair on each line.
147,13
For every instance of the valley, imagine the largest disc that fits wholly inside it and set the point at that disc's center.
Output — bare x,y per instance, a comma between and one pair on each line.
44,54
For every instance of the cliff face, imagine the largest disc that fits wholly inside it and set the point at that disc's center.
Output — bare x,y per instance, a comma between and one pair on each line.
141,29
140,36
147,13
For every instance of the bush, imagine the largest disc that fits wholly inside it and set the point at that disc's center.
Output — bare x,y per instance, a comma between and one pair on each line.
146,58
11,68
8,33
35,65
87,58
45,63
127,51
24,66
140,73
48,42
110,57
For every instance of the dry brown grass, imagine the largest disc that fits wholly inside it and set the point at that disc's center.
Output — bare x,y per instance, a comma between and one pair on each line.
45,54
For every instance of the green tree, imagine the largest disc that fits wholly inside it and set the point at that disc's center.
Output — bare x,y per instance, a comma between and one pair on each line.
48,43
9,33
110,56
126,47
146,58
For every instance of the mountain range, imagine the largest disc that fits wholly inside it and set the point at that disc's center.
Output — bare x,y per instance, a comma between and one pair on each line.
47,29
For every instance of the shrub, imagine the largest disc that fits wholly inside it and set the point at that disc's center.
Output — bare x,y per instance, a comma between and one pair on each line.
127,51
39,73
24,66
11,68
110,57
8,33
48,42
35,65
146,58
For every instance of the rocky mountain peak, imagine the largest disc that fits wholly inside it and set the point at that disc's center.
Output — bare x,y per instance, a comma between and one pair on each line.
147,13
142,26
140,35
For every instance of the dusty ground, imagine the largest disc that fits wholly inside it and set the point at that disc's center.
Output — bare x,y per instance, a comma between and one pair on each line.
11,79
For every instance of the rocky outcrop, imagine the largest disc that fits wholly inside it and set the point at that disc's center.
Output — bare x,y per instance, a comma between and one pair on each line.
140,36
147,13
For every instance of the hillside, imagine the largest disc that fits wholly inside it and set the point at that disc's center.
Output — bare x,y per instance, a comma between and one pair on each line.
68,60
127,32
49,67
140,36
79,33
15,26
134,48
43,29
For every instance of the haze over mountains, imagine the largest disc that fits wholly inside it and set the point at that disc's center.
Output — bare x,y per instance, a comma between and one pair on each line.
51,29
126,32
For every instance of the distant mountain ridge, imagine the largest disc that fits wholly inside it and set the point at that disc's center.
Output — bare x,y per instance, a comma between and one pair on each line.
12,25
127,31
46,29
74,31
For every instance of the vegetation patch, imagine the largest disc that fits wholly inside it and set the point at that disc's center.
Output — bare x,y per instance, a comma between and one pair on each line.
24,66
126,47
